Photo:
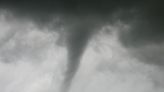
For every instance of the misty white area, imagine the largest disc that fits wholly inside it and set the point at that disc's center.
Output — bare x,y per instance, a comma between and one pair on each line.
31,61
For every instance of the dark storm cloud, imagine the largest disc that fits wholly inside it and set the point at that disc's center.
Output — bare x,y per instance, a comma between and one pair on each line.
44,10
148,27
81,30
146,35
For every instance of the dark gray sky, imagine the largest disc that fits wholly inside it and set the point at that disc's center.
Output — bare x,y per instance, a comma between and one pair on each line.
82,17
149,27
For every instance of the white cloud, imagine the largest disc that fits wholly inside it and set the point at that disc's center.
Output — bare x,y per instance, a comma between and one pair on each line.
36,63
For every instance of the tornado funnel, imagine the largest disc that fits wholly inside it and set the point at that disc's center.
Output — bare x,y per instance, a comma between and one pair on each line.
77,40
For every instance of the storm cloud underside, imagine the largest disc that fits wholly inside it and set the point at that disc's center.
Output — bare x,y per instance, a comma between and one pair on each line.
84,18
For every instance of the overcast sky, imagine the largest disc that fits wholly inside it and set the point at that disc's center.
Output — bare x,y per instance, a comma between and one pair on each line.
117,46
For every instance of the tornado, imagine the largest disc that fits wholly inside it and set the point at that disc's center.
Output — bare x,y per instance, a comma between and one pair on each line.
77,40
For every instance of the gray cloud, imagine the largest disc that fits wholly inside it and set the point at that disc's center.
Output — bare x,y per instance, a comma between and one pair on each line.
73,12
147,28
149,54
